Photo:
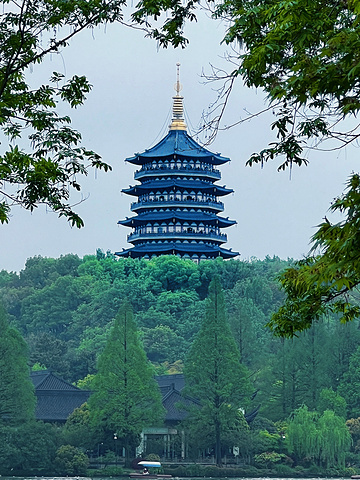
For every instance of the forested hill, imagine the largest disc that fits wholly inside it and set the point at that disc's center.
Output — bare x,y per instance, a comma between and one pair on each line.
65,307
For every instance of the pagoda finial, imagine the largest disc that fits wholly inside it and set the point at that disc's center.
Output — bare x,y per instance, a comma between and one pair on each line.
178,107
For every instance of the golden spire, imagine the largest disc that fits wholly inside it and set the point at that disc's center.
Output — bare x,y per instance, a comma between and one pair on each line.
178,107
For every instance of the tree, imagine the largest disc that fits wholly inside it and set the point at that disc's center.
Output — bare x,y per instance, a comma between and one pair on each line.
215,376
77,429
126,397
47,170
17,398
325,282
335,439
324,438
71,461
303,54
28,448
330,400
350,384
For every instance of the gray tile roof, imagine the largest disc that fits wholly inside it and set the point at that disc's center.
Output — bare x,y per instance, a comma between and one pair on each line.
56,398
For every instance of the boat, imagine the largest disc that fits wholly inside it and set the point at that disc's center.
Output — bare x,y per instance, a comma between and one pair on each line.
145,473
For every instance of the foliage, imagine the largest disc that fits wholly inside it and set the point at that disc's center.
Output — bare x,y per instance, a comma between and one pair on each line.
216,378
70,461
335,439
108,471
126,397
330,400
304,56
268,459
17,399
302,434
325,438
353,425
349,385
77,430
27,448
323,283
50,167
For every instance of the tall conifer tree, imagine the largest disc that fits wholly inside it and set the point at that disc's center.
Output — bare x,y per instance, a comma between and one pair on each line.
126,397
215,376
17,399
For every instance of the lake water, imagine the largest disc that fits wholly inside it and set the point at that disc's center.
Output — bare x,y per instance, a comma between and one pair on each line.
187,478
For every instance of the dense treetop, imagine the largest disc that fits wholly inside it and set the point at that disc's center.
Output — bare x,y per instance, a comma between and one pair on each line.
65,308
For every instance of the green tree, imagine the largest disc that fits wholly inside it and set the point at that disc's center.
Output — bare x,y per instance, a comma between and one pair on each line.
350,384
71,461
335,439
247,324
28,448
77,430
17,399
324,282
324,438
302,436
330,400
126,397
49,168
163,344
215,376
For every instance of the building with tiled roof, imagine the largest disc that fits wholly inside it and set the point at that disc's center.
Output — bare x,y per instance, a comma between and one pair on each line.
177,207
56,398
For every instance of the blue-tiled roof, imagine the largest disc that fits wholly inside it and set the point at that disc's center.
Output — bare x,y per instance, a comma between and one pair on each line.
178,142
188,185
173,248
190,217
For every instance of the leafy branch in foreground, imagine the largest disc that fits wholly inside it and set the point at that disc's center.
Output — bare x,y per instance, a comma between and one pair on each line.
304,55
48,170
328,281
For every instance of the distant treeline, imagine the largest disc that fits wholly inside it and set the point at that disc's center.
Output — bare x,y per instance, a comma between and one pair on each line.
65,308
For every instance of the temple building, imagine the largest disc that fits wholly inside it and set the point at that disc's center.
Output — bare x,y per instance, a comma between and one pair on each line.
177,200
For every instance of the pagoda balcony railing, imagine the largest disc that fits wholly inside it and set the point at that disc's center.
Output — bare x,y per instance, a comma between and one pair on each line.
173,235
176,202
194,171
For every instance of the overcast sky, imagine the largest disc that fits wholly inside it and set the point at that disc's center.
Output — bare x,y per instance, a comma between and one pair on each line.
128,111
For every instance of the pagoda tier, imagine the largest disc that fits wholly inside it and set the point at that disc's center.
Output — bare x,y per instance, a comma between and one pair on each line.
177,207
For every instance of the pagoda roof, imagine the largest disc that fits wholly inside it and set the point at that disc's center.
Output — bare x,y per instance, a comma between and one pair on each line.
173,248
178,143
162,185
207,218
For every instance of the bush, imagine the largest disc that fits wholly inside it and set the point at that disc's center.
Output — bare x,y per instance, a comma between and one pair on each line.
70,460
106,472
152,457
267,459
284,470
349,471
196,470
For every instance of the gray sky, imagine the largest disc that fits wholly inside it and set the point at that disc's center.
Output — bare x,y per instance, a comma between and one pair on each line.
133,84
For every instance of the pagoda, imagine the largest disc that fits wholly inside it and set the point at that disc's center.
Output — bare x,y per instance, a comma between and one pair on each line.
177,200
